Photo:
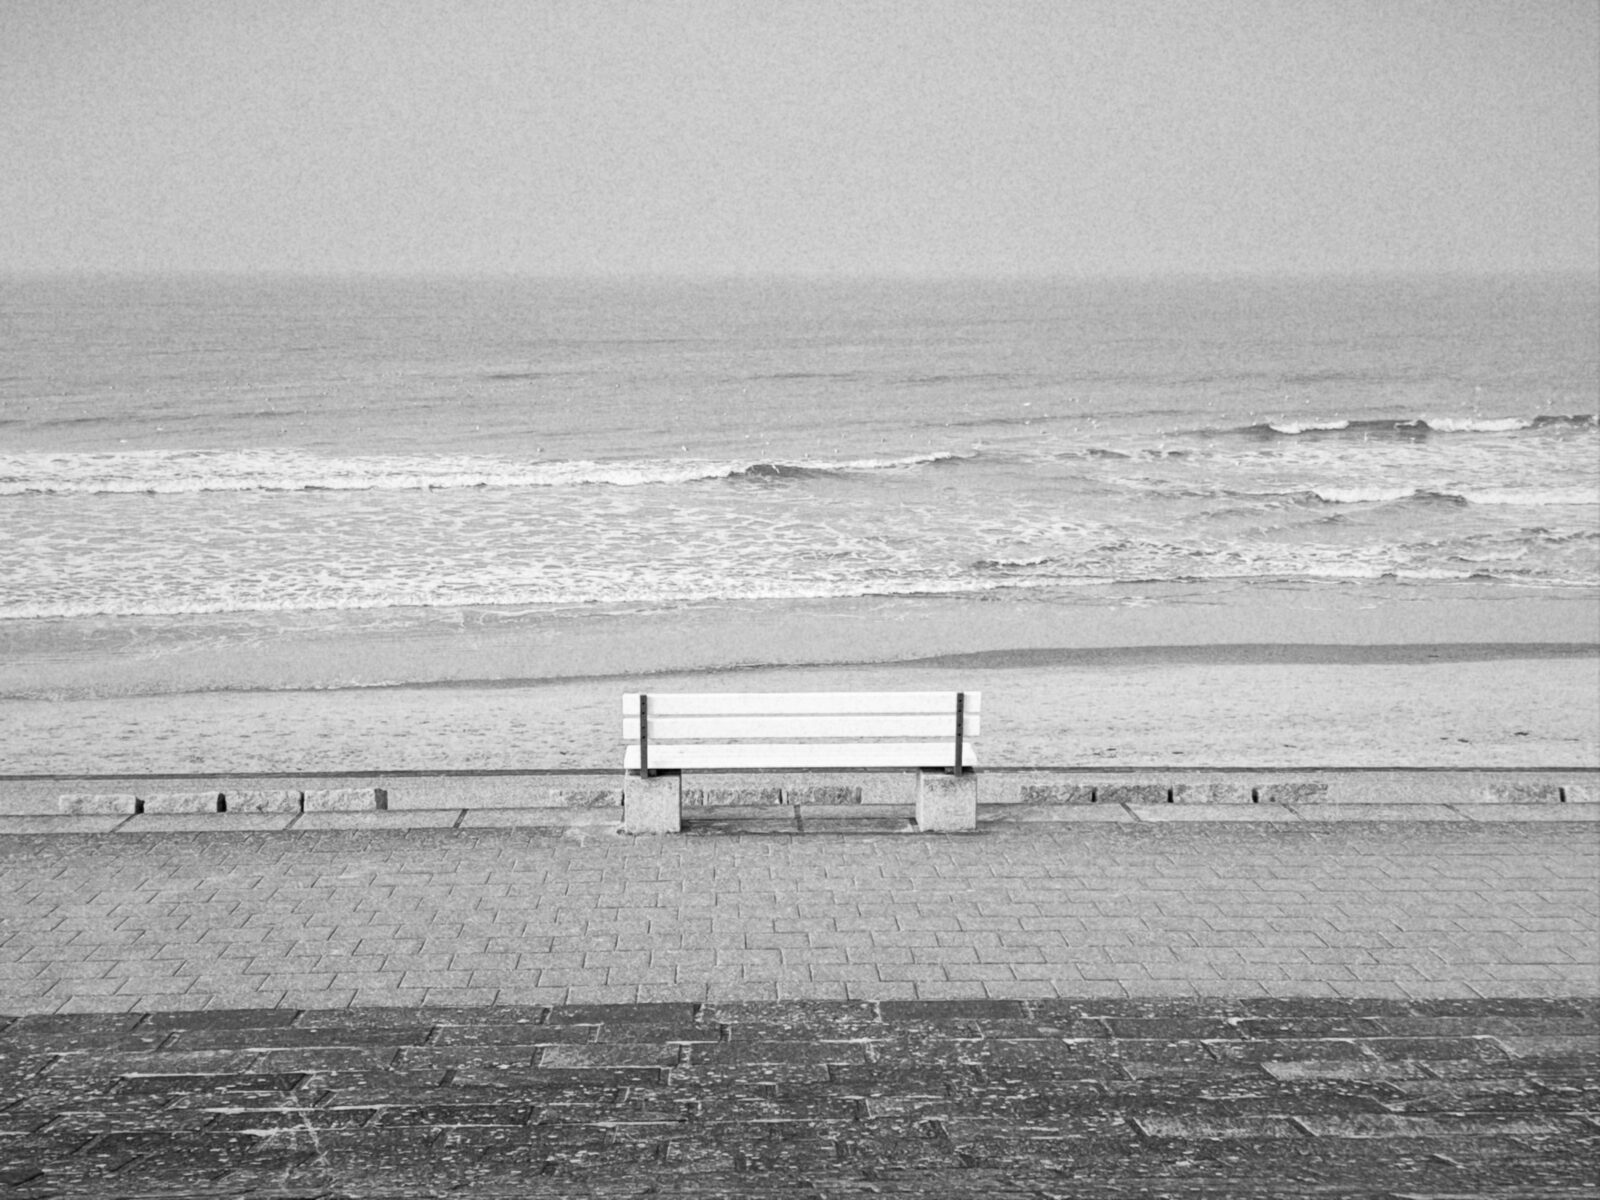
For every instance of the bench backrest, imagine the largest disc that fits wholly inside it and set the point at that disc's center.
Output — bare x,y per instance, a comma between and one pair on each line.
781,730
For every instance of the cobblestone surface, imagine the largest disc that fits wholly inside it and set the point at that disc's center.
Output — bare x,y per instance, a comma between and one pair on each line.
1049,1098
336,918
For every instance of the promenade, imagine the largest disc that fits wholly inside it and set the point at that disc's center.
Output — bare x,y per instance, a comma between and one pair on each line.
1246,1003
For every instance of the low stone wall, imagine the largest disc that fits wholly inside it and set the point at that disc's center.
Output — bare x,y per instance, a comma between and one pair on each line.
601,793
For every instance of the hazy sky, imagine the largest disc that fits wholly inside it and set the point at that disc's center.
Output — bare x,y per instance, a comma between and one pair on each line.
926,137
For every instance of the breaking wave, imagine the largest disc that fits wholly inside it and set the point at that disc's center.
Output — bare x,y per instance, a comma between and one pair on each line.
1528,496
158,472
1404,428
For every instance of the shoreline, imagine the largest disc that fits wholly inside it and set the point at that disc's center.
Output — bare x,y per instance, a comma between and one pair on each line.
111,657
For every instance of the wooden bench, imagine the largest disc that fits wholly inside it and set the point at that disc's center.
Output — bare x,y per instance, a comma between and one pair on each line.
775,731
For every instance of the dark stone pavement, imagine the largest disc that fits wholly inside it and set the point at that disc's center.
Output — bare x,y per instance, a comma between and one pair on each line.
998,1098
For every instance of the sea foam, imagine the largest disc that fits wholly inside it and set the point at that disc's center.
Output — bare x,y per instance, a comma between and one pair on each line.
162,472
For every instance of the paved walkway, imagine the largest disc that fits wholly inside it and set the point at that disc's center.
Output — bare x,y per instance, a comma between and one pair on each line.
1265,1008
332,918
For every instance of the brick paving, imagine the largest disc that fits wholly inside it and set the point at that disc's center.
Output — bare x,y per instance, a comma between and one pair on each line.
1339,1008
334,918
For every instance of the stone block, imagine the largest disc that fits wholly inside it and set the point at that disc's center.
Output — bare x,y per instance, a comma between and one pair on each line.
829,794
98,804
183,802
1056,793
1131,793
261,802
946,803
652,804
346,800
704,797
1515,793
1293,791
1212,793
1580,793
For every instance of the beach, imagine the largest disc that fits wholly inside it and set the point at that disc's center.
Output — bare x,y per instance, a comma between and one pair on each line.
1155,523
1295,677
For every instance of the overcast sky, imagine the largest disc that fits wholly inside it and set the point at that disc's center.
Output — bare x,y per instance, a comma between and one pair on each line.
919,137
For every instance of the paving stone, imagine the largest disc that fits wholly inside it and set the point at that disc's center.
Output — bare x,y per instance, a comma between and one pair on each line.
676,1015
294,1038
515,1035
789,1053
1211,1129
587,1057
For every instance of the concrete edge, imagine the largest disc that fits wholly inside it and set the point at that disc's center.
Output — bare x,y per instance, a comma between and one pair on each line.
991,816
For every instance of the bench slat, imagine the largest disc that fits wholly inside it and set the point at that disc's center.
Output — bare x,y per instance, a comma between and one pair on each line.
670,704
783,728
757,756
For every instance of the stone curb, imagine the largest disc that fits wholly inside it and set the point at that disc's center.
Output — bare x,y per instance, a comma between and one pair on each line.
786,818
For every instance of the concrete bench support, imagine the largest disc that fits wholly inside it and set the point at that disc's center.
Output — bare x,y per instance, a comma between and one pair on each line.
946,803
652,804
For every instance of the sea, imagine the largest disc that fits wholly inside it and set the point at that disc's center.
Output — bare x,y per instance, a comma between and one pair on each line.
181,449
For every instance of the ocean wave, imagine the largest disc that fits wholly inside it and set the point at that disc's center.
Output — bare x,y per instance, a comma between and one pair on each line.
1294,427
1405,428
1362,495
1531,497
1001,563
149,605
161,472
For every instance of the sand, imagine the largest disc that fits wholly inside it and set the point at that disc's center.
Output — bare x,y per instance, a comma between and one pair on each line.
1279,677
1503,712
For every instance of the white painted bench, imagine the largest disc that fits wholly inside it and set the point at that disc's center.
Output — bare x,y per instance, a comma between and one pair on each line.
775,731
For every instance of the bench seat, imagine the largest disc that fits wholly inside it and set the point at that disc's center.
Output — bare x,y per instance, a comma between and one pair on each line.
769,731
